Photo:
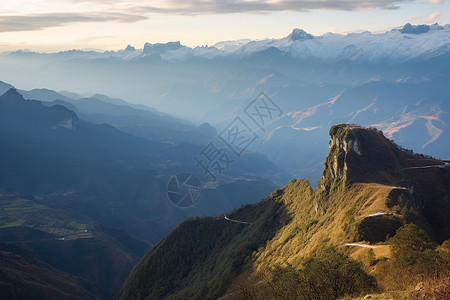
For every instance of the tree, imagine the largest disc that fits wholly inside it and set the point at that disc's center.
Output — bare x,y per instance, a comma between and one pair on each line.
329,274
409,243
414,259
326,274
444,251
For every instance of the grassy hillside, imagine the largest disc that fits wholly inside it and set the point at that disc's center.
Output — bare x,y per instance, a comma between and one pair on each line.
200,258
370,190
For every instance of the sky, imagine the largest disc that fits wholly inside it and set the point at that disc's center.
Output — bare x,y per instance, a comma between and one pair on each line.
57,25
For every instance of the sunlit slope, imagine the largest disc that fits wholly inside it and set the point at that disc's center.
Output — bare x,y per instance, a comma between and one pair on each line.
369,188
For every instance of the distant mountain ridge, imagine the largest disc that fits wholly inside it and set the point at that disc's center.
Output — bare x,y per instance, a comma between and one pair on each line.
404,43
137,119
396,81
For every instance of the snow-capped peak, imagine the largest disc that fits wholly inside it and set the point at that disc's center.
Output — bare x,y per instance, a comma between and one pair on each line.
161,48
419,29
397,45
300,34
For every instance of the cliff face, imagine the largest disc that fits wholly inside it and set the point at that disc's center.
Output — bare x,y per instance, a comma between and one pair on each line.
358,154
368,189
419,183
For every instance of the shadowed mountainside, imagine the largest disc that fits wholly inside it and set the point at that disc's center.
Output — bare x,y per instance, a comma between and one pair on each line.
22,276
89,199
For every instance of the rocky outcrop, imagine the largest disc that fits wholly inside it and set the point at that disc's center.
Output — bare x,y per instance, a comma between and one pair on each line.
419,185
358,154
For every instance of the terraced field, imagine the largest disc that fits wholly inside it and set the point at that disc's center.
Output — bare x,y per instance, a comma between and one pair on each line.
19,211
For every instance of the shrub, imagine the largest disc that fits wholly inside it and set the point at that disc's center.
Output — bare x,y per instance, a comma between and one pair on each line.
414,259
409,243
329,274
326,274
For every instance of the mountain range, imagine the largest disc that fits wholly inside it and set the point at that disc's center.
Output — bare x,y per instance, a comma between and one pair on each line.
396,81
398,44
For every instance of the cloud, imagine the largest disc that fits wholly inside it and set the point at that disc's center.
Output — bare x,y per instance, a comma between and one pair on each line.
432,18
42,21
126,11
234,6
435,1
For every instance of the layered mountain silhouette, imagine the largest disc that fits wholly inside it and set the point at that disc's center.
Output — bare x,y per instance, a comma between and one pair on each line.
138,120
88,199
396,81
369,188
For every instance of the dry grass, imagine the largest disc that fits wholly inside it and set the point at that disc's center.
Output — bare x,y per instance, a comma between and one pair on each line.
381,251
317,221
435,289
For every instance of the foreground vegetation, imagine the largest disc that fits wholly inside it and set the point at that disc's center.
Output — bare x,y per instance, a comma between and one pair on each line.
326,274
418,269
